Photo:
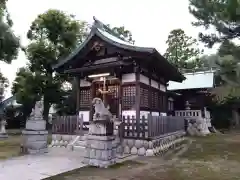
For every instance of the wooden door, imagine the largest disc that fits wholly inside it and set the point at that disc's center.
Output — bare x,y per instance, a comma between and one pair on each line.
113,97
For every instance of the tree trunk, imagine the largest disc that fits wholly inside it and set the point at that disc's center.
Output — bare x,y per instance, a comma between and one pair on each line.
46,108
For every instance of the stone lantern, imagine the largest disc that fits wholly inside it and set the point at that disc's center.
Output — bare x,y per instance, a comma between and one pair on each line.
3,133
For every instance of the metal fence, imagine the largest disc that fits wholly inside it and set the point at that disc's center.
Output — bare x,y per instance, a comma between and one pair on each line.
152,126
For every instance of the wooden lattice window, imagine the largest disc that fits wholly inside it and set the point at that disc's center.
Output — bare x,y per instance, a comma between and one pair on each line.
129,96
85,98
154,99
161,101
144,100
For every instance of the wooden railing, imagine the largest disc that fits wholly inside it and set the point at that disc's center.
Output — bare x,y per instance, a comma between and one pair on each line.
145,128
152,127
189,113
69,125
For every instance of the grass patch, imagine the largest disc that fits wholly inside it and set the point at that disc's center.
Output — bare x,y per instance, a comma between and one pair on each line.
10,147
200,171
14,132
214,157
173,152
128,163
213,147
87,171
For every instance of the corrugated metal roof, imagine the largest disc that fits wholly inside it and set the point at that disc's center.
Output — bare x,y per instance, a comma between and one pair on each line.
194,80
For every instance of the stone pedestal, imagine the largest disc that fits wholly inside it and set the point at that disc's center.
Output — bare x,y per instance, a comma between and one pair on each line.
100,147
3,133
35,137
205,129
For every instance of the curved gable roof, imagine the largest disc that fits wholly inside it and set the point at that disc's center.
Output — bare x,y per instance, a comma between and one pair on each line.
106,34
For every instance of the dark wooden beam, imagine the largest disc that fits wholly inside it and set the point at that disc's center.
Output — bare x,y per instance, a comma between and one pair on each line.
156,77
77,84
137,73
159,103
98,66
92,91
150,93
119,76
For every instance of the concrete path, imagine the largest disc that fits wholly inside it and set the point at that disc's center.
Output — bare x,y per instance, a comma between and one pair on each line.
37,167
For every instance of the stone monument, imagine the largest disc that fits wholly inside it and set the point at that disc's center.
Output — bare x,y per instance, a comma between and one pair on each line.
3,133
100,147
35,134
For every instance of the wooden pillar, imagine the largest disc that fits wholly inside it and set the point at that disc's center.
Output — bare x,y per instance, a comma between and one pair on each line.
77,83
159,94
150,94
92,91
120,97
165,101
137,102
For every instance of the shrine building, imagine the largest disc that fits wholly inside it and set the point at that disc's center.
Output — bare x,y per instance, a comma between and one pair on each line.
194,91
136,77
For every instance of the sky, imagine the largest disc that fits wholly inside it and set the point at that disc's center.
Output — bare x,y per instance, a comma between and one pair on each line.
149,21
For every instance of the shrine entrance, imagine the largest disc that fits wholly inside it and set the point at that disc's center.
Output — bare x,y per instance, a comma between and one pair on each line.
112,87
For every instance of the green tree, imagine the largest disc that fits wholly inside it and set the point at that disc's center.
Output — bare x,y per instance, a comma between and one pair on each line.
3,85
122,33
209,61
27,87
228,90
228,70
182,50
223,16
52,36
9,43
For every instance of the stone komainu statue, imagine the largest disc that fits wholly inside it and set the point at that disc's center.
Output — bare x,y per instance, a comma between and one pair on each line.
100,111
37,111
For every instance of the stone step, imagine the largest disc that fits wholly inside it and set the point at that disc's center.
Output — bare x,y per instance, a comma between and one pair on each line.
80,143
81,150
82,138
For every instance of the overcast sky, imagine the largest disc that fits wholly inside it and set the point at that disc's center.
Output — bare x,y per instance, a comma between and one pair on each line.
150,21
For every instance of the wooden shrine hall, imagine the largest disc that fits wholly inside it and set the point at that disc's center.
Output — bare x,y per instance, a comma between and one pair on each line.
135,77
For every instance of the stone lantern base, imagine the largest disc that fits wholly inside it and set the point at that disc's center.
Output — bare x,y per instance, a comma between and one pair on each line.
3,135
35,137
100,147
35,142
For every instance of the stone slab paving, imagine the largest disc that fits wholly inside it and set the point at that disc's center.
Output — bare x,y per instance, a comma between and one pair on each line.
37,167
